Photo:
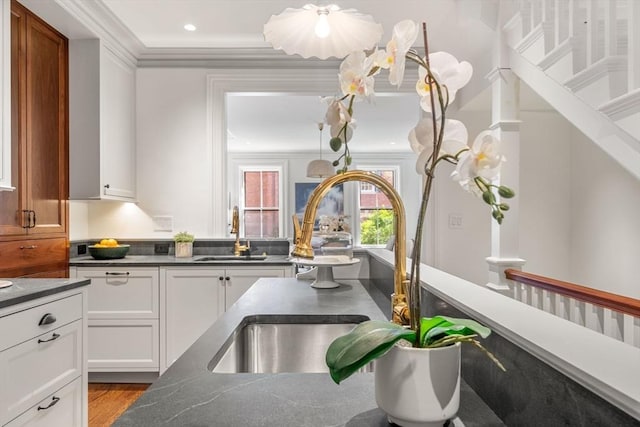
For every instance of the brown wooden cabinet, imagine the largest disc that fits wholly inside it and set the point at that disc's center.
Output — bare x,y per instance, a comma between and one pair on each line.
34,217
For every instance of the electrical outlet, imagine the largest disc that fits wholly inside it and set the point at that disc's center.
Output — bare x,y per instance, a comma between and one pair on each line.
82,249
161,248
455,221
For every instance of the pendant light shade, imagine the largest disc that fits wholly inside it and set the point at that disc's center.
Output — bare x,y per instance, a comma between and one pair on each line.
320,168
322,31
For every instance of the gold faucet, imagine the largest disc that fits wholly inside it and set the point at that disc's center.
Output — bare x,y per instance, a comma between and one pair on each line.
235,228
302,237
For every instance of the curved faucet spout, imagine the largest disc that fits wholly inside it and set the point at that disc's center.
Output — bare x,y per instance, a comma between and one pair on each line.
303,247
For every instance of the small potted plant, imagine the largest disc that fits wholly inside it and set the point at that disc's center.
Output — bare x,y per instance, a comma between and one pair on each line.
184,244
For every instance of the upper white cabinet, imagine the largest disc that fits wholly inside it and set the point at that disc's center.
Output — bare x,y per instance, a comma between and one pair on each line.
5,95
102,93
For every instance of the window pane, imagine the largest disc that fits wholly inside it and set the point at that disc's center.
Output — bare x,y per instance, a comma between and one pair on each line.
270,190
376,226
261,211
270,224
376,214
252,189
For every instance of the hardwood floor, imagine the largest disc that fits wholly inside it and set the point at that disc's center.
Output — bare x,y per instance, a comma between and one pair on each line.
108,401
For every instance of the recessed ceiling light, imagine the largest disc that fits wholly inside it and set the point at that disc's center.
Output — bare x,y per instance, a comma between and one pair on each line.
392,143
189,27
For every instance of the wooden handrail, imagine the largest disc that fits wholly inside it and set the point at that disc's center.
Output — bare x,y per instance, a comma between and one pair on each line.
615,302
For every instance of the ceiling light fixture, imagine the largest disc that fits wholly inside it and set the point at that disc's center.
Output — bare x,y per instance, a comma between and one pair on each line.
189,27
322,31
320,168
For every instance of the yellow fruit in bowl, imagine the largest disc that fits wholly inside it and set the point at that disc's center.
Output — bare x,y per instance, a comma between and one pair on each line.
108,243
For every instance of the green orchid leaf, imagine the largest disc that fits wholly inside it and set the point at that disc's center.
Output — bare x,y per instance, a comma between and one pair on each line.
366,342
432,329
474,326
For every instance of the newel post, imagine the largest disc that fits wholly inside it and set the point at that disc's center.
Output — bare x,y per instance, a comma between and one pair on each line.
506,127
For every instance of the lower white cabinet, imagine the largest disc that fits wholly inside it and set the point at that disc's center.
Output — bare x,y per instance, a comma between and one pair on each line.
61,409
124,323
141,319
43,369
194,297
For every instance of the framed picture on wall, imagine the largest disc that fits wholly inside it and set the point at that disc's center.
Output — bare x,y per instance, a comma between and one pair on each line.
331,205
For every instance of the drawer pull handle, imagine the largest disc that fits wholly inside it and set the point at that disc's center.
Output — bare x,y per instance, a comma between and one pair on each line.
47,319
53,337
220,278
227,278
29,247
54,400
109,273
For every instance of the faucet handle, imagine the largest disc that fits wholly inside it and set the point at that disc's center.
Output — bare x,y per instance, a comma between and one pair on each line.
296,229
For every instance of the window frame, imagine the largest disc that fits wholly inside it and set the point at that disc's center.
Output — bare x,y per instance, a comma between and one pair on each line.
281,194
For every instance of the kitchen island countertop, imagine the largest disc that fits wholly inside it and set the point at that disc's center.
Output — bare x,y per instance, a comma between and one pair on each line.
188,394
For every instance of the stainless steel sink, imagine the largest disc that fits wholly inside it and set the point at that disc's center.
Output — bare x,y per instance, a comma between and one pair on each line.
274,344
231,258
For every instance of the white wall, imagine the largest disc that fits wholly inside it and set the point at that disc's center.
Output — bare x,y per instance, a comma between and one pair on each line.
605,232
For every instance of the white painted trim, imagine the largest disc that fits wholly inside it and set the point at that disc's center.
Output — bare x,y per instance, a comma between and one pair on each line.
530,39
597,71
622,106
5,96
621,146
559,52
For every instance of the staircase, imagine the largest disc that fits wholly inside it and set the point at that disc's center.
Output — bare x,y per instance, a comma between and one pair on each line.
583,58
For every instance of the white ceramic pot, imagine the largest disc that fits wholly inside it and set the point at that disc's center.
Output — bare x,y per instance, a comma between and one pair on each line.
419,387
184,249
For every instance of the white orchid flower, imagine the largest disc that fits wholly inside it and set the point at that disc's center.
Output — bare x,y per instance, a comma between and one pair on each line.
354,75
421,140
448,72
482,160
393,58
336,117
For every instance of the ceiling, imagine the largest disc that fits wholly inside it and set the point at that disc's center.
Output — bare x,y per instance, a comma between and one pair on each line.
286,122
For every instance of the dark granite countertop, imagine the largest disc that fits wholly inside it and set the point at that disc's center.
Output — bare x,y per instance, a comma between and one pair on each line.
188,394
24,290
170,260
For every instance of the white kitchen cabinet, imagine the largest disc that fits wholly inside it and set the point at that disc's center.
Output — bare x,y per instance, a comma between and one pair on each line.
102,93
43,371
193,300
124,324
194,297
5,95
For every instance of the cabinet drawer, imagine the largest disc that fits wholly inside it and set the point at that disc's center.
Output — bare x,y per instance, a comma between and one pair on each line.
122,293
23,325
124,346
31,371
25,257
60,409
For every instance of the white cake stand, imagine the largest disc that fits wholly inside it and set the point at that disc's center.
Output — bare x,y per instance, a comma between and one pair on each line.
324,265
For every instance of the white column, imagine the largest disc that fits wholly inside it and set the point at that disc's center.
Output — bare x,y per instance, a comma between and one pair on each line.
506,127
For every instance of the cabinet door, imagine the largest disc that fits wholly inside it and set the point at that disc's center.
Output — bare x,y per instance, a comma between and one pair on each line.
61,409
240,279
39,129
46,127
194,300
5,99
122,292
117,87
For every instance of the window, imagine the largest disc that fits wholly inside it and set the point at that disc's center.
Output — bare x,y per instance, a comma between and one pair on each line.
261,202
375,210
